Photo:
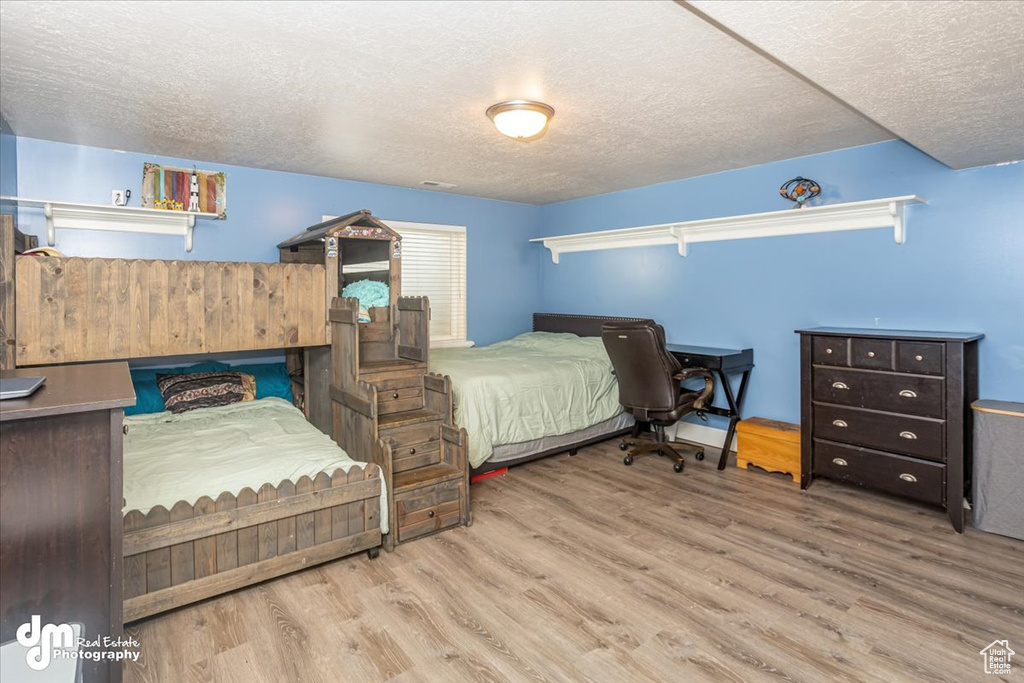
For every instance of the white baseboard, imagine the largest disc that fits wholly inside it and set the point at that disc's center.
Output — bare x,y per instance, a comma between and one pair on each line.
709,436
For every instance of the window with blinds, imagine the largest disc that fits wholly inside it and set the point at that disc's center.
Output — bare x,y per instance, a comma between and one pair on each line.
434,266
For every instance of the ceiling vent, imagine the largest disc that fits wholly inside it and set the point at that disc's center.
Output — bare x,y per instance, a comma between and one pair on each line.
437,184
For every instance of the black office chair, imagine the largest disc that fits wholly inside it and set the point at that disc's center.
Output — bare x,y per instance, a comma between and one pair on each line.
650,384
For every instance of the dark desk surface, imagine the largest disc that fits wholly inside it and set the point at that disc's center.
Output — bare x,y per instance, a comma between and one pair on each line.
71,389
702,350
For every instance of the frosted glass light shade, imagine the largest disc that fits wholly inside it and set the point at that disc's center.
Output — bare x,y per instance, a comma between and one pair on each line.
521,119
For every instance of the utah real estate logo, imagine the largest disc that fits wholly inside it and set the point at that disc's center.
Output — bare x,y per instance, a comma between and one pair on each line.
997,657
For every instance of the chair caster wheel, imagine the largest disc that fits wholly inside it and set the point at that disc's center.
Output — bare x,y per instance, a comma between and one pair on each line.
700,456
373,553
623,446
678,467
628,460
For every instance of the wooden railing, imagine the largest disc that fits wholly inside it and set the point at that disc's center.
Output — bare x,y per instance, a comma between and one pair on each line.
83,309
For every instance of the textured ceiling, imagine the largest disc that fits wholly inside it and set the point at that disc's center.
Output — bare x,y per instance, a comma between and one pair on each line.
395,93
948,77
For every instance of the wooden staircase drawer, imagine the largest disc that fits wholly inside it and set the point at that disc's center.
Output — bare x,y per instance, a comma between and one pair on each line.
399,400
416,455
908,477
426,510
410,435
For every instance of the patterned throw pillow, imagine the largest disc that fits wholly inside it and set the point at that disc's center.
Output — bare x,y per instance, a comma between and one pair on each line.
205,390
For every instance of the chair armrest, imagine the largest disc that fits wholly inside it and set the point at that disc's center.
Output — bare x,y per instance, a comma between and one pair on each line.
708,393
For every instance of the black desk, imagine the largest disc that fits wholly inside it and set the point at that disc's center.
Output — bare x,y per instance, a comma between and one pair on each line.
722,363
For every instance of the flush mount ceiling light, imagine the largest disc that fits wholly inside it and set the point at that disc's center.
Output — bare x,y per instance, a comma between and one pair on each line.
521,120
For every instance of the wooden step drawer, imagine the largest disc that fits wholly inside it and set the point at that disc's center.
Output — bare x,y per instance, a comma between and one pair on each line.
921,357
873,354
830,350
890,392
416,455
400,438
916,436
909,477
428,509
399,399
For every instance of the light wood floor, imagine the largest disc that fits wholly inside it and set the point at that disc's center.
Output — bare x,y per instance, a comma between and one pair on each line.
583,569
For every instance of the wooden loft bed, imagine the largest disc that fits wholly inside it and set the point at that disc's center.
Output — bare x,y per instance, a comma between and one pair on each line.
56,310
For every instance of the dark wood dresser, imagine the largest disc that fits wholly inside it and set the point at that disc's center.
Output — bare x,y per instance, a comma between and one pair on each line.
890,410
60,503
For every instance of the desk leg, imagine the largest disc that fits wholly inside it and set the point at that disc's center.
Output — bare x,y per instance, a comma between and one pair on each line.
735,402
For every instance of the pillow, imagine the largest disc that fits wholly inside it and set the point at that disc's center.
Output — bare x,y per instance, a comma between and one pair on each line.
147,394
271,379
182,393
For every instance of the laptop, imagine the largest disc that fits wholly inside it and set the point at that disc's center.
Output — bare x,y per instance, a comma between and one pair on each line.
19,387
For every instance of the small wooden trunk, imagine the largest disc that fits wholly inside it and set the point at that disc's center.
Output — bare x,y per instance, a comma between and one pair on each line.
769,444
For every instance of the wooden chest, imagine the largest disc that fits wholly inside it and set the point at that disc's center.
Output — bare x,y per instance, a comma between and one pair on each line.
890,410
769,444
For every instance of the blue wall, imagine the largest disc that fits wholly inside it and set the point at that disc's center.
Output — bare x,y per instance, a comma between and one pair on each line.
962,267
266,207
8,165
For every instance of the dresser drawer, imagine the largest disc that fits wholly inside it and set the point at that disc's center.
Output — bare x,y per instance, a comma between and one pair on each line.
873,354
909,477
916,436
880,391
830,350
426,510
921,357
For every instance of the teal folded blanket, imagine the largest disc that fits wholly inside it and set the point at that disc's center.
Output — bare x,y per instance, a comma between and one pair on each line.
369,292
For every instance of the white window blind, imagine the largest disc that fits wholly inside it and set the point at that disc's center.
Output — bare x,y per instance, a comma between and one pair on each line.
434,266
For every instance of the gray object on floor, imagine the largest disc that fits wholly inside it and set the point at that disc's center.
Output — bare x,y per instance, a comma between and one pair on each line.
999,467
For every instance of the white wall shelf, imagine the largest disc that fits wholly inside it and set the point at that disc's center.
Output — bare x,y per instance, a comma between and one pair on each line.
78,216
873,213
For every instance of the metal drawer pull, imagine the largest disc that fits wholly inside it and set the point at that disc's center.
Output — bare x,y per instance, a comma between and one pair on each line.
839,385
431,512
908,477
839,461
839,423
871,354
908,435
918,358
907,393
828,351
412,451
394,395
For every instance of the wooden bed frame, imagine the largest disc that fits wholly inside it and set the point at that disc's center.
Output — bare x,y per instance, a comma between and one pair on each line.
584,326
195,551
67,310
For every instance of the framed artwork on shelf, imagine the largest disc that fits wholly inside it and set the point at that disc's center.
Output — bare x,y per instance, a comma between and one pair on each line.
184,189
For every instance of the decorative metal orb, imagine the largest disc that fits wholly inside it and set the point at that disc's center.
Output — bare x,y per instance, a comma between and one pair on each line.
800,190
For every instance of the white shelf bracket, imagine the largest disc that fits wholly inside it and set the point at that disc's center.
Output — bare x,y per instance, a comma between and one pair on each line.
189,227
680,238
51,233
899,225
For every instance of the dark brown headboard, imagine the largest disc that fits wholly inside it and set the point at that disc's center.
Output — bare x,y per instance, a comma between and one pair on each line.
582,325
